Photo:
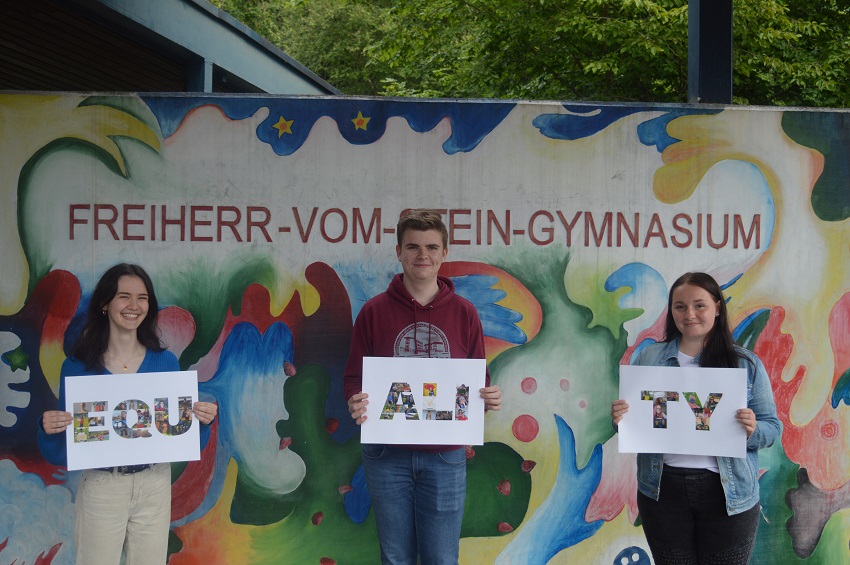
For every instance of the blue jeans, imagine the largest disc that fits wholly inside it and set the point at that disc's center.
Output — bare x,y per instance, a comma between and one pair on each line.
689,523
418,500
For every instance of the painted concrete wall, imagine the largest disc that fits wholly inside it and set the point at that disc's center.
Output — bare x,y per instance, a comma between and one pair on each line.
266,223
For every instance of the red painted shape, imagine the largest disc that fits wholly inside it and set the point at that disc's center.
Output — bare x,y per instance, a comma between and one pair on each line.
43,559
504,527
525,428
190,488
504,487
331,425
528,465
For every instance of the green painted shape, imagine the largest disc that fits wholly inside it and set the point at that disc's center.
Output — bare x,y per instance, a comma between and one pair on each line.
747,338
175,544
17,359
130,105
772,538
605,306
36,246
828,133
294,538
485,506
207,290
565,347
253,506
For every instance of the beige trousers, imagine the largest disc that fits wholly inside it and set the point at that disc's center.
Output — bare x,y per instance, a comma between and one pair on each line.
115,512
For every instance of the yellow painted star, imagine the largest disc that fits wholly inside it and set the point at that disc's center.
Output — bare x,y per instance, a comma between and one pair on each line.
360,122
283,126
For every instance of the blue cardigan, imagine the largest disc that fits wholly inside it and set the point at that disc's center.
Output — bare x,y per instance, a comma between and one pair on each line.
52,446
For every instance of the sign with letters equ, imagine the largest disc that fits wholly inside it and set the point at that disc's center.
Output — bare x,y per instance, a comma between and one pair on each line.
131,419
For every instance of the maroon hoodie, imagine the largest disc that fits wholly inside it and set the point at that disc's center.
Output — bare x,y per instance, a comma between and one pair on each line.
394,324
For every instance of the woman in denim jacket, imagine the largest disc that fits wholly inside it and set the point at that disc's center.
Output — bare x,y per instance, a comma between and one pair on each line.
701,509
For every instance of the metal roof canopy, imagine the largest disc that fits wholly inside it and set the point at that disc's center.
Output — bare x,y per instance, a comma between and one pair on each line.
142,46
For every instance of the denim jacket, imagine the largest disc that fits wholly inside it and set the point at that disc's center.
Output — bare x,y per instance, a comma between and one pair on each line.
739,476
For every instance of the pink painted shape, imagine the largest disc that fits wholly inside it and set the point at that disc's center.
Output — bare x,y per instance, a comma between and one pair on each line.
825,458
178,329
618,487
528,385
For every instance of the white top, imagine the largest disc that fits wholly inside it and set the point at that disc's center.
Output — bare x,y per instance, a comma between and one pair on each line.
690,461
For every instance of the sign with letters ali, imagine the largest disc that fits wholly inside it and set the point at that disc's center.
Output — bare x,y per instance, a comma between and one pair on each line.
684,410
424,401
132,419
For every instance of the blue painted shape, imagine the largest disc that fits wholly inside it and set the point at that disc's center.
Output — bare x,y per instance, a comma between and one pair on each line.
645,343
584,123
745,323
470,122
559,522
633,555
654,132
842,390
498,322
357,501
731,282
249,365
648,289
588,121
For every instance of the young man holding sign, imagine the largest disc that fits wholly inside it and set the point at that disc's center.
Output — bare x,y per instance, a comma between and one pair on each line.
417,491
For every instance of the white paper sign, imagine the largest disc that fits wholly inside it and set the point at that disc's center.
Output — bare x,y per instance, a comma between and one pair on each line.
132,419
684,410
424,401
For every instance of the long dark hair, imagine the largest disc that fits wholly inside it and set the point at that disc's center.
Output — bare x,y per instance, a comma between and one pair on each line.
719,348
94,338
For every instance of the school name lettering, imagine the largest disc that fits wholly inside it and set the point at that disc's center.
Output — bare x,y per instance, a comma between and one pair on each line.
261,224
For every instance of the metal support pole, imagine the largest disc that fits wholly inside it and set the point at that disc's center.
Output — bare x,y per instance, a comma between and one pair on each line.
710,51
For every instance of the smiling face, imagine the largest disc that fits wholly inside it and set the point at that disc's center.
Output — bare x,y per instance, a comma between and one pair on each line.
421,253
694,312
129,306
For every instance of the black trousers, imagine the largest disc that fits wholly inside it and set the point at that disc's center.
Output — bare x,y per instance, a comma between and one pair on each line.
688,524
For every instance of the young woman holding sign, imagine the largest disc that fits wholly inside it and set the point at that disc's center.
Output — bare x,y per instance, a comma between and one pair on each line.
126,507
699,509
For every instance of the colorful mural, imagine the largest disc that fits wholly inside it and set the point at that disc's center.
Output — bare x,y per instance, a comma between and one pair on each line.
266,223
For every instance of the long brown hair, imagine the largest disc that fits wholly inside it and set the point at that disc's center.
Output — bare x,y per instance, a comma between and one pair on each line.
718,350
94,338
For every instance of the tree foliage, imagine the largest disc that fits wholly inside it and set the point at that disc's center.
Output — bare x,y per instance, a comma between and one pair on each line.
785,53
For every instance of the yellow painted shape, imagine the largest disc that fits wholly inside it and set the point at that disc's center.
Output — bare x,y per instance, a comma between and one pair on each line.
27,124
213,539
